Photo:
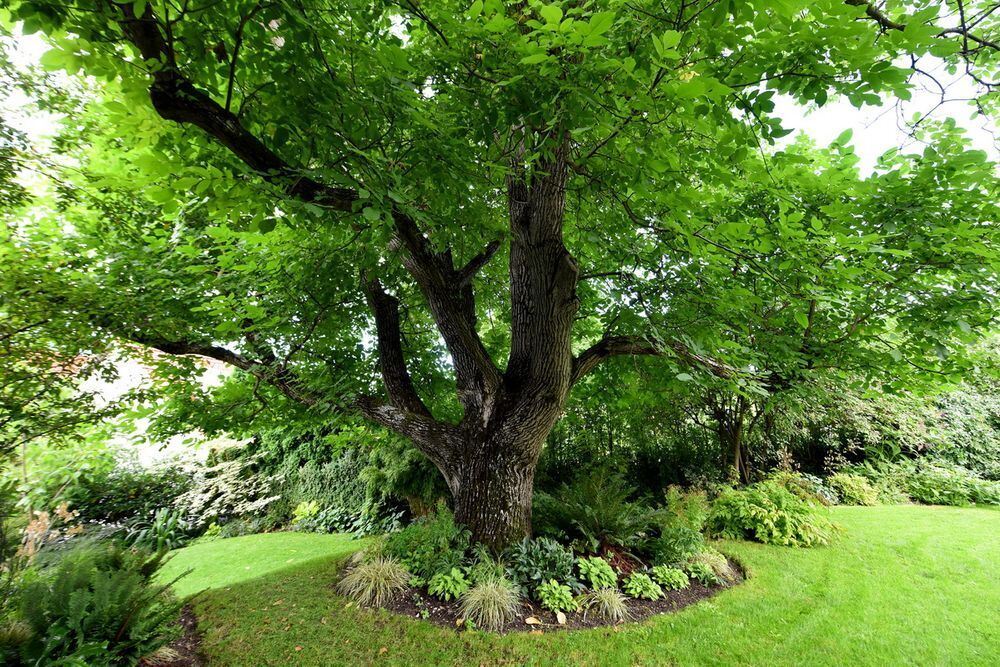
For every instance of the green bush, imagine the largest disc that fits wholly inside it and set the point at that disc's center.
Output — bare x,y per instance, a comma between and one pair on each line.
555,596
534,562
490,604
639,585
374,581
674,545
127,491
449,585
807,487
432,544
595,509
671,578
853,489
96,606
165,531
596,572
941,484
769,513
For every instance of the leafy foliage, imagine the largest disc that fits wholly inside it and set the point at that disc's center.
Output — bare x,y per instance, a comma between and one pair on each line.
432,544
99,606
808,487
703,573
167,530
671,578
227,490
769,513
596,572
675,544
533,562
375,581
595,508
853,489
449,585
555,596
639,585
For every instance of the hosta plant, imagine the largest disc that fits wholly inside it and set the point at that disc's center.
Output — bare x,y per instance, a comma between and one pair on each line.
555,596
703,573
596,572
640,586
671,578
449,585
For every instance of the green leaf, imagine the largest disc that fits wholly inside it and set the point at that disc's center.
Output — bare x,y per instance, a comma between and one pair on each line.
534,58
802,319
552,14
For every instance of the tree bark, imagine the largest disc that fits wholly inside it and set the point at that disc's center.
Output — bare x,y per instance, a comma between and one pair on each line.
493,491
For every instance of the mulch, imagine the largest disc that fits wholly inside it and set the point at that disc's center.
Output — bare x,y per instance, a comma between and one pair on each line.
416,603
185,651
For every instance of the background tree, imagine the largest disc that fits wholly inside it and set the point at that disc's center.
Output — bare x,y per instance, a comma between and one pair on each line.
338,174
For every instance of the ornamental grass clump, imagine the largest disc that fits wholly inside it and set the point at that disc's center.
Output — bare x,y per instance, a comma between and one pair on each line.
375,582
608,604
490,604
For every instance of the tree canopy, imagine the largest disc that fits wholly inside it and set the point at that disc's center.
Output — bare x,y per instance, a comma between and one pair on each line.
442,216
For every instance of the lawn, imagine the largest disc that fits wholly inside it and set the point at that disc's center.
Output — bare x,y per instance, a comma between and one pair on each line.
902,585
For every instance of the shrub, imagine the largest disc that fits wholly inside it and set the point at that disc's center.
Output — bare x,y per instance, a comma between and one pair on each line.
432,544
639,585
127,491
534,562
167,530
449,585
807,487
689,509
942,484
703,573
98,606
226,491
609,604
853,489
769,513
671,578
674,545
305,510
375,582
490,604
596,509
596,572
555,596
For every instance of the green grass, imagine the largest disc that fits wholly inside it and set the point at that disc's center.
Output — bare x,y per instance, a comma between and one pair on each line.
903,585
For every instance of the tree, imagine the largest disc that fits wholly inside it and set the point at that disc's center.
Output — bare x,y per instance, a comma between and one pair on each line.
313,152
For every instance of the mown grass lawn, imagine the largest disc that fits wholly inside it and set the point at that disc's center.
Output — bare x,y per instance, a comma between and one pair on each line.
905,585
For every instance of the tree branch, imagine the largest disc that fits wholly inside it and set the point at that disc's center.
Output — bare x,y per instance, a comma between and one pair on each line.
395,376
175,98
613,346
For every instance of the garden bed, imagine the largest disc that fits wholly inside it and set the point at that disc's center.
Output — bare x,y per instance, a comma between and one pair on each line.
416,603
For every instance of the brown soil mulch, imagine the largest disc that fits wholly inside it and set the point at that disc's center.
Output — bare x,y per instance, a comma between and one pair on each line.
185,651
416,603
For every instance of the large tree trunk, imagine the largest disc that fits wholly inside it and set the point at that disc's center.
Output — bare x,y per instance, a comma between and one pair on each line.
492,494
